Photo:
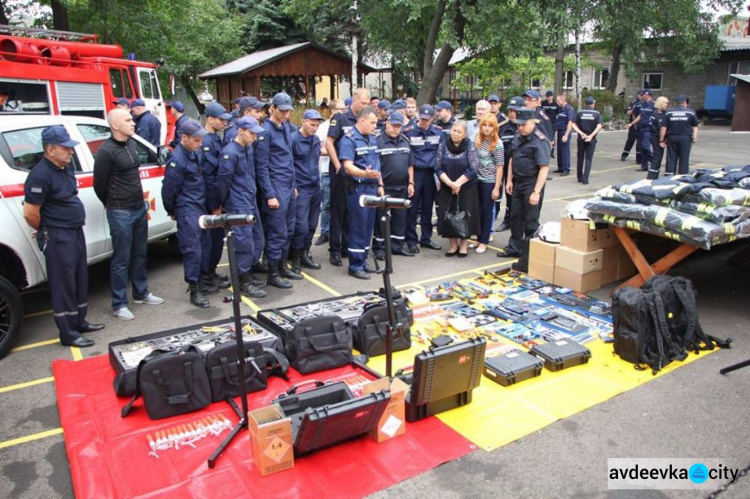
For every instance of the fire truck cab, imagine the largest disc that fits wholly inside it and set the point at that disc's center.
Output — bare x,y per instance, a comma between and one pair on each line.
64,73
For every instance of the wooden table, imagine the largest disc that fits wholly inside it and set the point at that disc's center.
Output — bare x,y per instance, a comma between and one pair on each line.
645,269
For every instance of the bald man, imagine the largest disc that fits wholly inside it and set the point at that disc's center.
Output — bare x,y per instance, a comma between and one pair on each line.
117,183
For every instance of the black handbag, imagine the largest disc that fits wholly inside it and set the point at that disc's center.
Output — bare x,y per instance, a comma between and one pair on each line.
221,363
319,343
370,333
455,223
171,382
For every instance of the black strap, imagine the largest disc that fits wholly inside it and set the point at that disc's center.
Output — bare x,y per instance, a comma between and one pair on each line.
280,360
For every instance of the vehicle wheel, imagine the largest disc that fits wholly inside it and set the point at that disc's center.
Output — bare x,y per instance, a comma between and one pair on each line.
11,311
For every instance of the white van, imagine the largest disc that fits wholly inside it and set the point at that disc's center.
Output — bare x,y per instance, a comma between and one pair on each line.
21,262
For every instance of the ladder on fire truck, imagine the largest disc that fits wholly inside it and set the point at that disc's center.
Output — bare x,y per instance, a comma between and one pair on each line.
47,34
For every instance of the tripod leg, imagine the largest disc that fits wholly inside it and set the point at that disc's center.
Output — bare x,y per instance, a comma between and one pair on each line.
734,367
223,445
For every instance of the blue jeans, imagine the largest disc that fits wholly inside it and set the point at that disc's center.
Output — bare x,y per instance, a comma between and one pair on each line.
129,232
486,207
325,203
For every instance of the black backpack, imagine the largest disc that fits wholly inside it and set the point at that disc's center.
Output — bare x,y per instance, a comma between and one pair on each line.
172,382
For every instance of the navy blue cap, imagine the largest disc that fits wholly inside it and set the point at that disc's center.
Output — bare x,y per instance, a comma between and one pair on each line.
348,101
590,100
194,128
249,123
646,91
516,103
398,105
396,118
549,93
137,102
312,114
246,102
426,112
121,100
237,100
532,94
216,110
444,104
493,97
178,105
282,101
57,134
384,104
524,114
680,98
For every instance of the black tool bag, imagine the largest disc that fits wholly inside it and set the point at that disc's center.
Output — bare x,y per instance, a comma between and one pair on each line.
680,305
370,333
319,343
171,382
222,366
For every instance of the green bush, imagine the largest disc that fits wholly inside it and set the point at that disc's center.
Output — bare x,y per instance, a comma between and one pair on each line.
608,102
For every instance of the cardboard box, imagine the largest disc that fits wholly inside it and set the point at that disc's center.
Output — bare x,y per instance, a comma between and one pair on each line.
542,270
610,261
582,283
579,262
625,266
393,421
578,234
271,442
542,251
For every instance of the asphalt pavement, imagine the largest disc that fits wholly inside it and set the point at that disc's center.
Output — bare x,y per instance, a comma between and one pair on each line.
693,412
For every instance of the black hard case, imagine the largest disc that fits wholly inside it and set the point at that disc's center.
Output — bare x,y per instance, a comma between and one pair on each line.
329,414
561,354
513,367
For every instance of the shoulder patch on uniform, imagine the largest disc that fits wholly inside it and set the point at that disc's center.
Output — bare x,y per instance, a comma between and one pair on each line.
261,137
333,123
540,135
226,156
172,164
36,190
504,122
350,133
206,148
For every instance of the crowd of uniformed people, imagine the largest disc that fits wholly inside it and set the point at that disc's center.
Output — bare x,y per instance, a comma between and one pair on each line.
290,179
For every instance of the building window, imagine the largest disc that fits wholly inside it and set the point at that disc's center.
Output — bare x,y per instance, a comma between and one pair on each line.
568,79
601,78
734,68
652,81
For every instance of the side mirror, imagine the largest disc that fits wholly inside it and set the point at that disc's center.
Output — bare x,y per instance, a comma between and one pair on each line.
162,153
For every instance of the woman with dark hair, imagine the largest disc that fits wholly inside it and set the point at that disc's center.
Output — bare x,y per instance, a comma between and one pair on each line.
457,164
490,174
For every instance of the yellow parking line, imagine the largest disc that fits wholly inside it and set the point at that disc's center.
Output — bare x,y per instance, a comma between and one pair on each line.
467,271
35,345
26,384
76,352
31,438
320,284
36,314
250,303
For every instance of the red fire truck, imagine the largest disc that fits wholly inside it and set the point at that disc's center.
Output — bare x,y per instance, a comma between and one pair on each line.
60,72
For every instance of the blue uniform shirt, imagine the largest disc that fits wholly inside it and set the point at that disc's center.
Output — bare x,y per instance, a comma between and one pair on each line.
445,126
564,115
230,133
424,146
306,152
182,119
587,120
210,152
680,121
273,158
545,124
645,110
148,126
183,188
341,124
529,153
236,178
363,151
56,190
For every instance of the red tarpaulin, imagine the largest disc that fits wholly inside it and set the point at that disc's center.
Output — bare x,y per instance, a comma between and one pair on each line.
109,455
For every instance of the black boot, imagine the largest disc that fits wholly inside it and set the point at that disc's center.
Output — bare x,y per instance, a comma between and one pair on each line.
295,259
522,265
206,286
308,262
257,281
274,276
288,273
246,285
217,280
261,267
196,296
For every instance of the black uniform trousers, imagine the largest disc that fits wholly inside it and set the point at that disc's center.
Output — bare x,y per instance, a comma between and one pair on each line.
508,197
398,223
679,148
524,218
337,236
632,139
67,272
422,203
585,158
658,154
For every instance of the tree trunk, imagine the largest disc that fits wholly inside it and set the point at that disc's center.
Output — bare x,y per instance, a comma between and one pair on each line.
559,58
614,70
429,52
193,96
433,77
59,15
3,15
